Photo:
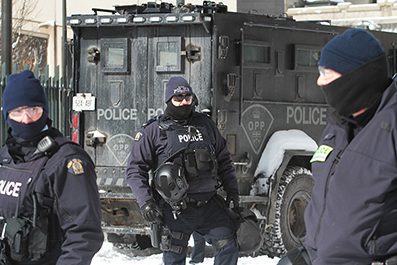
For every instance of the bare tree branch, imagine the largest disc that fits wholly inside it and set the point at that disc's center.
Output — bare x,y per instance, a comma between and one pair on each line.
26,48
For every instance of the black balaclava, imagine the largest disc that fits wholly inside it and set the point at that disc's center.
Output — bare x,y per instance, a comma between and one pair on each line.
359,57
180,114
30,130
358,88
24,89
177,85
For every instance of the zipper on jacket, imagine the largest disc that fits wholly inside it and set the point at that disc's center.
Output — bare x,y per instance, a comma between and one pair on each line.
17,169
329,179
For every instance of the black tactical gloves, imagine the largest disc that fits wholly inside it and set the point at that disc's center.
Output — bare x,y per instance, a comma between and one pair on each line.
151,212
233,197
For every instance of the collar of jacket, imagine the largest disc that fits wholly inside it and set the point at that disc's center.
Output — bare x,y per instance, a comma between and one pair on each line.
21,149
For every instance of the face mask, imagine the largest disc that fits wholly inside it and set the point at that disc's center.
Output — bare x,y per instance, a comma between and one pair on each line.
30,130
359,88
179,113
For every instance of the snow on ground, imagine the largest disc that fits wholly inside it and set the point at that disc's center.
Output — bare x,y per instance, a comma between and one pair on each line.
109,256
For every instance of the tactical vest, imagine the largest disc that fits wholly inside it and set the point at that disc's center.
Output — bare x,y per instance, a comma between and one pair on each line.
27,226
190,147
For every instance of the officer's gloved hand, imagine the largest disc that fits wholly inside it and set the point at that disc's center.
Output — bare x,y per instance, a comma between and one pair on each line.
151,212
233,199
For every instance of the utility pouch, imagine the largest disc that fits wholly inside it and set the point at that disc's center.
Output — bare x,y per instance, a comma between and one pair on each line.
190,163
17,234
38,239
200,159
203,159
206,159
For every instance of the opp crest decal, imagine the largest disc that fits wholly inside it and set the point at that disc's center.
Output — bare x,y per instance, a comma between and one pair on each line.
120,147
256,121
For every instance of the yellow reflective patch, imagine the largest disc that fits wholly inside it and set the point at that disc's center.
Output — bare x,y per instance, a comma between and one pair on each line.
138,136
321,154
75,166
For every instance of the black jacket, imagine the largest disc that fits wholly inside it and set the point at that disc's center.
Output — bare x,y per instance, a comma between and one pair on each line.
68,178
150,143
351,218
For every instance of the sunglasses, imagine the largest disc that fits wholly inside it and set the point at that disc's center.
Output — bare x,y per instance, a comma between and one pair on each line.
180,98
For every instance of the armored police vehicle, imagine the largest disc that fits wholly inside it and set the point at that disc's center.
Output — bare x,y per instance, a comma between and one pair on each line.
255,75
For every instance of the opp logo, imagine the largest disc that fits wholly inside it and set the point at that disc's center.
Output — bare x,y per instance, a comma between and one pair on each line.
120,147
256,121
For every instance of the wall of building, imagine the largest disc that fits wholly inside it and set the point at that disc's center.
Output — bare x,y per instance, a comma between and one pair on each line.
270,7
375,16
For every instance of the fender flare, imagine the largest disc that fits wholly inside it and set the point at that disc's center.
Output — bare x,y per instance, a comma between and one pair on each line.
286,148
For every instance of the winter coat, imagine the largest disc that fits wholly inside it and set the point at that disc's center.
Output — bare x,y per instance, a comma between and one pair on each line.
351,218
151,142
65,185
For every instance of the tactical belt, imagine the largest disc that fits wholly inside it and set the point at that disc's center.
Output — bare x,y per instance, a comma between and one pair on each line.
389,261
197,203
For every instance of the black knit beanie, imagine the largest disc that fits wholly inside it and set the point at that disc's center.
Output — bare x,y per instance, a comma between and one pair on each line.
350,50
177,86
23,89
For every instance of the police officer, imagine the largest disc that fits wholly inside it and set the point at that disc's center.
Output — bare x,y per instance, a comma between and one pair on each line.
351,218
49,203
192,141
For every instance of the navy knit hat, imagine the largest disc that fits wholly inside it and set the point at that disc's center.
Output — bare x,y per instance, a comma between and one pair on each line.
177,86
348,51
23,89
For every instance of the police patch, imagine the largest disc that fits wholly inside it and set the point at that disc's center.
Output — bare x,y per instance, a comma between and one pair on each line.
321,154
138,136
182,90
75,166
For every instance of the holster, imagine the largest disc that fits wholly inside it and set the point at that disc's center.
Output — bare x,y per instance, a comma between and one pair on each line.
167,237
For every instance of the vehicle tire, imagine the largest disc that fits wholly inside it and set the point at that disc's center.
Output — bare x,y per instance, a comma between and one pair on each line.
288,230
127,241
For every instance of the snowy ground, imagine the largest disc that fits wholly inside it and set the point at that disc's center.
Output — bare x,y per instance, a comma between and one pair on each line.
107,255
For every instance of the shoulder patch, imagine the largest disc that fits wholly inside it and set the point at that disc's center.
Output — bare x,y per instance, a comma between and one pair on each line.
321,154
75,166
385,126
5,160
138,136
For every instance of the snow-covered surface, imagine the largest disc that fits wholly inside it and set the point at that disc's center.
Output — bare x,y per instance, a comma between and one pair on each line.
273,155
108,256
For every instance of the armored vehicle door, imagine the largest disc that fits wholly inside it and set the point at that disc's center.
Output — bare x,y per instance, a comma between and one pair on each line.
126,70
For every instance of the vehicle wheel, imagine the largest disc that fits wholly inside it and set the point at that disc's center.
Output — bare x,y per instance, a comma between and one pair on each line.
128,241
288,230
